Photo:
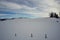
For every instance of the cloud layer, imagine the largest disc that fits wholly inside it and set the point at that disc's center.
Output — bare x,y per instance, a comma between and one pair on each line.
37,8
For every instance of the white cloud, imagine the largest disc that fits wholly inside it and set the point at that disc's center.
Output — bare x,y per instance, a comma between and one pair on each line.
10,5
40,8
3,14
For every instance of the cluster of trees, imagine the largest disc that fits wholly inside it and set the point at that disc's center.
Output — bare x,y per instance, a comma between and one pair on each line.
53,15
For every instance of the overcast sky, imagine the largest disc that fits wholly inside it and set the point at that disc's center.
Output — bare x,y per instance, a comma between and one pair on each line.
28,8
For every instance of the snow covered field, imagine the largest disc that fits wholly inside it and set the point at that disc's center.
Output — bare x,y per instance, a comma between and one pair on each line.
21,29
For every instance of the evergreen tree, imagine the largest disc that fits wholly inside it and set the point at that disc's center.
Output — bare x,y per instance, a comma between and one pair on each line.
53,15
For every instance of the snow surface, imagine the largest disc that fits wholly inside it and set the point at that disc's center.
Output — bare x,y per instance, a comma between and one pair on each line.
21,29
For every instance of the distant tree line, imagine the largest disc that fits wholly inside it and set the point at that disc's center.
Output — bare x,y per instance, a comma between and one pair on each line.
53,15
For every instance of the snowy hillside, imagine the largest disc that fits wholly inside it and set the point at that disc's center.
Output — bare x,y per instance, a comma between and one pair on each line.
30,29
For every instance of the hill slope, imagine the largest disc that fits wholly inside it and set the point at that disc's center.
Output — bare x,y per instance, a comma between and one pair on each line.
21,29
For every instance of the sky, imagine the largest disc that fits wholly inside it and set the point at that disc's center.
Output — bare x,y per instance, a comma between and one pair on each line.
28,8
